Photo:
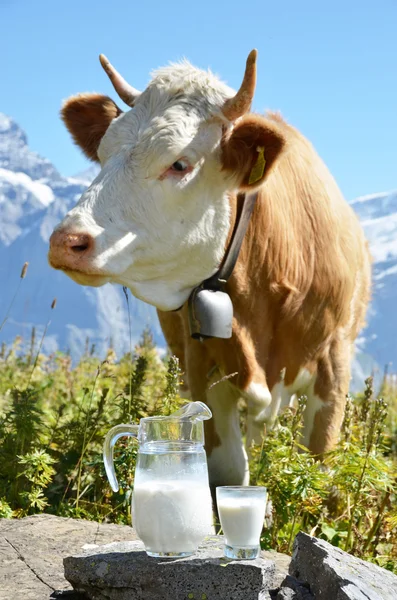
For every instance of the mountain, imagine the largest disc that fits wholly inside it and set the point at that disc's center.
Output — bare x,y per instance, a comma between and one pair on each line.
34,196
378,216
33,199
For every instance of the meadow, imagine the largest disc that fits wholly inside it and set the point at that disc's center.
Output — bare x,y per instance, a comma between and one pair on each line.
54,416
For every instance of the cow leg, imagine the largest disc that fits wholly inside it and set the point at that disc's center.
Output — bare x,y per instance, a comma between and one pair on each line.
279,397
237,357
226,455
327,398
258,398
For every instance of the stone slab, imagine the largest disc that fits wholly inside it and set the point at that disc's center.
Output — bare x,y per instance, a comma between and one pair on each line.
32,549
335,575
123,571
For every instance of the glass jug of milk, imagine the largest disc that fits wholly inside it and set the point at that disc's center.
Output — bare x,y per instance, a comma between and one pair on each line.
171,501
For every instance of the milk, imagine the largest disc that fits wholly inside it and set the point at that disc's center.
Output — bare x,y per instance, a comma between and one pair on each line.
242,519
172,516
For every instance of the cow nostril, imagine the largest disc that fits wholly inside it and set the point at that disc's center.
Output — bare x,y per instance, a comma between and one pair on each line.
79,248
79,243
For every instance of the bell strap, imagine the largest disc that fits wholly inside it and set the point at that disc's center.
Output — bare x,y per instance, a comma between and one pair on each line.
220,278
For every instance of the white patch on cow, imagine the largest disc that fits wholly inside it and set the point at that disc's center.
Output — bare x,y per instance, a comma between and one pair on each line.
258,394
160,235
293,401
302,381
258,398
280,399
264,406
282,396
227,463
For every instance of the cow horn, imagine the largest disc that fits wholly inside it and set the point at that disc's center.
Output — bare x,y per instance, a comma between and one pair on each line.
241,103
127,93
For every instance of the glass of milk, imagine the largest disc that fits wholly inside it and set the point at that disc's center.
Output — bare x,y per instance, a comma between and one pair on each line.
242,512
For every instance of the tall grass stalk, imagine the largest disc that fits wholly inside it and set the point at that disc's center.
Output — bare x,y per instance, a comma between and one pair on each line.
32,344
21,277
125,290
53,305
375,424
84,445
378,520
172,385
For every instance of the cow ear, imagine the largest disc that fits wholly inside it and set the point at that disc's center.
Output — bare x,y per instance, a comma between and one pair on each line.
251,149
87,117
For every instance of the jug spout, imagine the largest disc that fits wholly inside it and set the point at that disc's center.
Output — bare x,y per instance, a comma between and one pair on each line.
193,411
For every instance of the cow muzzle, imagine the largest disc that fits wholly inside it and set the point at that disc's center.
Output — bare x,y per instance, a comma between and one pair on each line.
71,251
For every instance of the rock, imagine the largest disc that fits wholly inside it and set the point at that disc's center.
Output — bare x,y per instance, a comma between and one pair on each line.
281,561
123,571
293,589
335,575
32,549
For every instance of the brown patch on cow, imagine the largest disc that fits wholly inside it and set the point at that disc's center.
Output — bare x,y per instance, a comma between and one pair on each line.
87,117
235,355
243,145
331,386
172,326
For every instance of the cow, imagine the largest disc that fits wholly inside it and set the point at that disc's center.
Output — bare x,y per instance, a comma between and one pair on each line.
175,168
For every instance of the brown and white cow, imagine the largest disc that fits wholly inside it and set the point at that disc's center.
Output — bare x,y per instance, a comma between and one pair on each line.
159,215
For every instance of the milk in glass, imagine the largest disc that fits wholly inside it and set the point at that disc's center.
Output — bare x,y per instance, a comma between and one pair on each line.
242,519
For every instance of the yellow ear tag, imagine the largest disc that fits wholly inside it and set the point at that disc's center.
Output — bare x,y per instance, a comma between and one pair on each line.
259,167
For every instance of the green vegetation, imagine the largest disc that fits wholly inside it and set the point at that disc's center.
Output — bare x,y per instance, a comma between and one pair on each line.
350,498
54,416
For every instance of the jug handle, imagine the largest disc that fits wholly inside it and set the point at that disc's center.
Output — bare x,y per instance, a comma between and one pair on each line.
111,438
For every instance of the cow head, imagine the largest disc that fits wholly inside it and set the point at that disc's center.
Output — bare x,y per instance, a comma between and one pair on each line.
157,217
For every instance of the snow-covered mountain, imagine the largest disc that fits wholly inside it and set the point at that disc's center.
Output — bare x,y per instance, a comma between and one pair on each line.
378,215
33,199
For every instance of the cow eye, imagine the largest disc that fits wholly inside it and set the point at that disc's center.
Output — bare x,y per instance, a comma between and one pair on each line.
180,165
178,169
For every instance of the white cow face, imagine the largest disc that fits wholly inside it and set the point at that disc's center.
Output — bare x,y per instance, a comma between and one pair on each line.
157,217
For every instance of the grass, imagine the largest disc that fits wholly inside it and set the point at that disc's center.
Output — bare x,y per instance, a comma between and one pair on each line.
54,416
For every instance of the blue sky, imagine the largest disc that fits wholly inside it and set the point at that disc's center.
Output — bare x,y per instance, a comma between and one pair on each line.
330,67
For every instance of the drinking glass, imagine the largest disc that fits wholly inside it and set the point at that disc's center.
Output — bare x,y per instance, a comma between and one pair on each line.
242,512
